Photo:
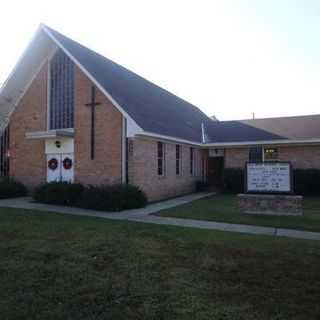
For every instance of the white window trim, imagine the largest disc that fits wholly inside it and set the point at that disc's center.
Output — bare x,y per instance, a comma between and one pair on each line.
263,157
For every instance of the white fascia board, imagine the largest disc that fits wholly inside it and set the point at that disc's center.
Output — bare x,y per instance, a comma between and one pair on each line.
23,75
99,86
169,138
20,60
66,133
273,142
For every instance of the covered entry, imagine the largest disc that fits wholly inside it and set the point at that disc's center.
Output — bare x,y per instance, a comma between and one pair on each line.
215,167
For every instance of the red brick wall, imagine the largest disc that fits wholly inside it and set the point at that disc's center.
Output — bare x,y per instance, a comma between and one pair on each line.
106,167
143,169
27,158
300,156
236,158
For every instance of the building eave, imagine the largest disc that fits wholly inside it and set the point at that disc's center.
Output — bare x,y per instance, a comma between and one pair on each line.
50,134
314,141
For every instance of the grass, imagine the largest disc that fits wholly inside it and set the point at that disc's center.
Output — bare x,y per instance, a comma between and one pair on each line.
66,267
224,208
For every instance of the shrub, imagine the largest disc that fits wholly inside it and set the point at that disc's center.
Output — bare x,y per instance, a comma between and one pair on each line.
234,180
113,198
306,181
61,193
11,188
201,186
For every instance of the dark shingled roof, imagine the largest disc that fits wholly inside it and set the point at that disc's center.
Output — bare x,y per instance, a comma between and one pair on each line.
268,129
153,108
161,112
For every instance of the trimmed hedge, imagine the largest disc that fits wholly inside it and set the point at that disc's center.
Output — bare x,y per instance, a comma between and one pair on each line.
113,198
306,181
106,198
234,180
201,186
61,193
11,188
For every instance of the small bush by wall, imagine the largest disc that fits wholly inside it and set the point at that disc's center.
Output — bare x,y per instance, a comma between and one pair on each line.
306,181
201,186
11,188
106,198
234,180
61,193
113,198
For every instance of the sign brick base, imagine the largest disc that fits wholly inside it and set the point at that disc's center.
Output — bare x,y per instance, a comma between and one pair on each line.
270,204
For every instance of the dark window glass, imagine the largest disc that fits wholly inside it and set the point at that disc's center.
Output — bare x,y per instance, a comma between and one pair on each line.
61,92
191,160
160,158
178,159
255,154
4,153
270,154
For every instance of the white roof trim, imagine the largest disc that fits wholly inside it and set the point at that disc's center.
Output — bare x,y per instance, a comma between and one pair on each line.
263,142
20,59
50,134
170,138
138,129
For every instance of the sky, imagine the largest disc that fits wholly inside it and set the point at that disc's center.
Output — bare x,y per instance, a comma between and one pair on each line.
230,58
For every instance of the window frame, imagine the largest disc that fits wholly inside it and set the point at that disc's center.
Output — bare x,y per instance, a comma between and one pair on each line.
264,154
178,161
54,124
161,159
191,161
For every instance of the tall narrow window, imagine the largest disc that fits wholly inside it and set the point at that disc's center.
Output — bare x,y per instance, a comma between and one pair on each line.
61,92
161,159
191,160
178,159
4,153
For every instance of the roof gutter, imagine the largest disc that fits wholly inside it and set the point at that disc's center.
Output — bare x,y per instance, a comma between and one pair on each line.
264,142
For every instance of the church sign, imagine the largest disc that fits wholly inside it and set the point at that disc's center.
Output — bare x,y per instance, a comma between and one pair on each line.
268,177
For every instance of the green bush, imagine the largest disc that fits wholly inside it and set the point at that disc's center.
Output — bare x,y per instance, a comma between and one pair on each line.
107,198
234,180
113,198
306,181
61,193
201,186
11,188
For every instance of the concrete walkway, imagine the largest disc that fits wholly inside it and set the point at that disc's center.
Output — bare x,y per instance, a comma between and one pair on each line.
144,215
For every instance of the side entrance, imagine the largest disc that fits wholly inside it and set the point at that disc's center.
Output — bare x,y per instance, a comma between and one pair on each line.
215,171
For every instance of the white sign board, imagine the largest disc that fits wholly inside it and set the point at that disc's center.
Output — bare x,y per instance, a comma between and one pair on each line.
268,177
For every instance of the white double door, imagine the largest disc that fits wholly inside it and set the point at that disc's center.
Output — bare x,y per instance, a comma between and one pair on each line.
60,167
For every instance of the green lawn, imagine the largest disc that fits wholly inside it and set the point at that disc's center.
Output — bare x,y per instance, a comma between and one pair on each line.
224,208
66,267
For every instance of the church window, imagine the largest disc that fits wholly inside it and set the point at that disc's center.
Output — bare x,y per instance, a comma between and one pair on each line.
61,84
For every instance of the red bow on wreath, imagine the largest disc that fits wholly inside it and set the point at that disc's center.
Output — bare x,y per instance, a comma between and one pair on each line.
67,163
53,164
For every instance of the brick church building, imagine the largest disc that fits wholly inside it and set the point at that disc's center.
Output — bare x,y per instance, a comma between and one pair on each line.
70,114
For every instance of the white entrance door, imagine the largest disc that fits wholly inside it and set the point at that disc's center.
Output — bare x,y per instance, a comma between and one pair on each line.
53,167
67,166
60,167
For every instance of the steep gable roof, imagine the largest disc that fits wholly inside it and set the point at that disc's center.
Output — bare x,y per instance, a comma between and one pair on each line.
153,108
